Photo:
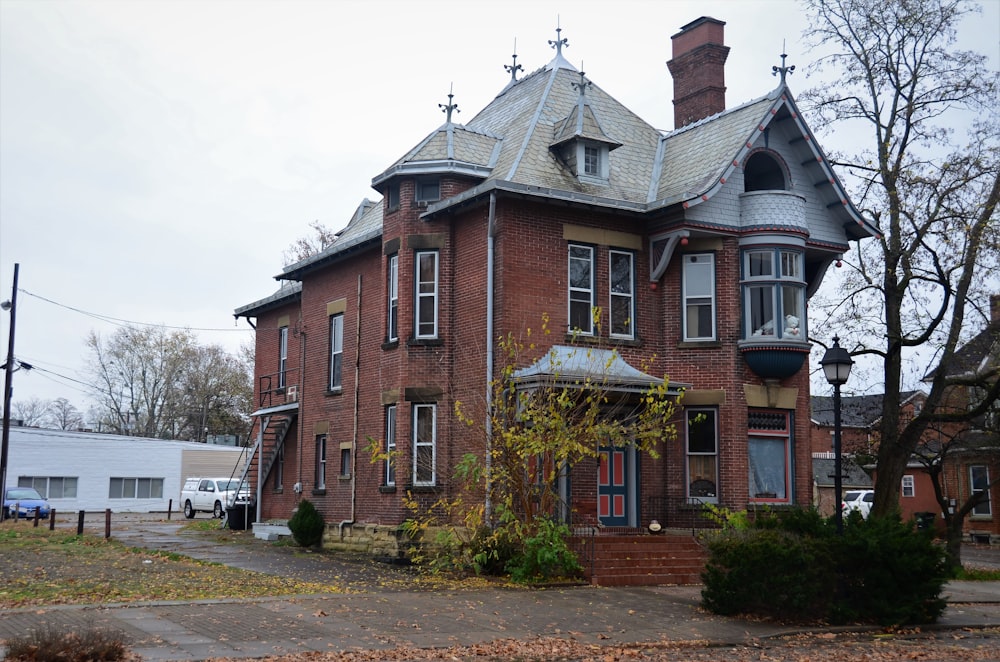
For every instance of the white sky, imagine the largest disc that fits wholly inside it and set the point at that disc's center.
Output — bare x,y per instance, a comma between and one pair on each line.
157,158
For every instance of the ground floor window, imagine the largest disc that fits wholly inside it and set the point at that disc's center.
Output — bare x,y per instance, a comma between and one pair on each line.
769,456
320,461
424,444
701,428
390,445
135,488
979,480
907,489
51,487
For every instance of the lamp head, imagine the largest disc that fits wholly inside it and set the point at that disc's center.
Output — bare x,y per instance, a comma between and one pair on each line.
6,305
837,364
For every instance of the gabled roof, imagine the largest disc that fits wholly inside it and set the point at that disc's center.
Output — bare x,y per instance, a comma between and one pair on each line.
852,476
978,356
364,229
859,411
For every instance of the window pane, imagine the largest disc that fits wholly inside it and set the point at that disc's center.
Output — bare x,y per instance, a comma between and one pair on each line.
791,306
581,284
591,161
427,283
621,294
702,476
390,445
791,265
336,349
423,445
768,468
979,476
701,431
760,263
393,291
699,293
760,301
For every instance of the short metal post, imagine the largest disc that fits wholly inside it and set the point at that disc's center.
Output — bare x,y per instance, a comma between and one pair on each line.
52,520
107,523
79,522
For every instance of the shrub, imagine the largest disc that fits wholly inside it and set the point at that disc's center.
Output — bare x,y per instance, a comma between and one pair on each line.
50,644
795,567
545,555
306,524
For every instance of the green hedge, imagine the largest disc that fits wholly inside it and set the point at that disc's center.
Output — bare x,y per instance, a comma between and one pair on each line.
795,567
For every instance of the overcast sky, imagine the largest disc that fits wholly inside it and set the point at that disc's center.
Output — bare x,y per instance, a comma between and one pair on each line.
157,158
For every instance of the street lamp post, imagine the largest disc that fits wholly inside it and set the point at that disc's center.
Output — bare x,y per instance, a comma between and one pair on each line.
7,388
837,368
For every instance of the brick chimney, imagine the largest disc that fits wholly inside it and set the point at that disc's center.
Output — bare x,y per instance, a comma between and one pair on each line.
699,70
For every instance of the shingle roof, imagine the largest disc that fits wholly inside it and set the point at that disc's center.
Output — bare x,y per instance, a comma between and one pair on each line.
852,476
859,411
976,356
288,292
365,227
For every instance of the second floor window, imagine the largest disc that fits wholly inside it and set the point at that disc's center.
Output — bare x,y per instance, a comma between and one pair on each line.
907,486
336,351
622,294
699,297
282,355
581,289
773,294
392,288
427,294
428,190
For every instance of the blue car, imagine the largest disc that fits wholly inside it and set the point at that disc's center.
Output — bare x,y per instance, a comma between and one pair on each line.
25,501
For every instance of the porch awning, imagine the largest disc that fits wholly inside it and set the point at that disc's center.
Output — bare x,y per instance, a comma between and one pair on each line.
564,365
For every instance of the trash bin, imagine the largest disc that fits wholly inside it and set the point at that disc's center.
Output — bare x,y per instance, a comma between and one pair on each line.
925,520
240,516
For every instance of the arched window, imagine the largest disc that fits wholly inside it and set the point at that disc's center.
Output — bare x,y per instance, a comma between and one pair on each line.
763,173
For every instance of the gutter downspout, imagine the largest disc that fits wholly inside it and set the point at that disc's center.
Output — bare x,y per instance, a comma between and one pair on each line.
490,250
357,400
302,392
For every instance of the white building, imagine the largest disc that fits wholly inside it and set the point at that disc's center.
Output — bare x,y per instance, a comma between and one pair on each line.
89,471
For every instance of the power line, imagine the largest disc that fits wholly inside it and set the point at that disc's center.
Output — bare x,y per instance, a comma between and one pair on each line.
117,321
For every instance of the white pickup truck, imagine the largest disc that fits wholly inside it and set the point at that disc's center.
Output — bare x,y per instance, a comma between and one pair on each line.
213,495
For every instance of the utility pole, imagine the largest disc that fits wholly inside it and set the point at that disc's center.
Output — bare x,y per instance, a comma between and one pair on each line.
7,388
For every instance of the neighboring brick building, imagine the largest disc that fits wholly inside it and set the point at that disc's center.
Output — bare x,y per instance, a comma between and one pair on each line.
700,248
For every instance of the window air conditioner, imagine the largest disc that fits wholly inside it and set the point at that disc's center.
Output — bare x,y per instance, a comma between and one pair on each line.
292,394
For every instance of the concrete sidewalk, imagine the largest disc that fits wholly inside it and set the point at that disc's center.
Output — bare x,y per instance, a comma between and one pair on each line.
371,620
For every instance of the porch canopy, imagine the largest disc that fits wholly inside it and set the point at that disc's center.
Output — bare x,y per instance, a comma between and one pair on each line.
564,365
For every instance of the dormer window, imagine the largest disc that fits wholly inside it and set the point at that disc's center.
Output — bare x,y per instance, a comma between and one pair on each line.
428,190
591,161
763,172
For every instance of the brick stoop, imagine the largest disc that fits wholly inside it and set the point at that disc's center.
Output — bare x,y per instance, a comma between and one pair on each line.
641,560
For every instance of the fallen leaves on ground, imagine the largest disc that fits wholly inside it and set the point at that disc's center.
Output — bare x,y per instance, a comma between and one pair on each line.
965,646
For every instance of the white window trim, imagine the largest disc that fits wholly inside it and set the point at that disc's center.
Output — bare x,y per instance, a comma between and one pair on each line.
603,163
908,484
422,444
591,290
685,297
282,355
390,445
392,320
321,461
420,296
630,296
336,349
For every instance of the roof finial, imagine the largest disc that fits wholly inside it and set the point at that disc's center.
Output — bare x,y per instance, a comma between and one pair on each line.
582,86
783,70
559,42
451,106
512,69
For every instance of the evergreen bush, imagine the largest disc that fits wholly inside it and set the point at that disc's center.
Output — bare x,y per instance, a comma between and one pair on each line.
795,567
306,524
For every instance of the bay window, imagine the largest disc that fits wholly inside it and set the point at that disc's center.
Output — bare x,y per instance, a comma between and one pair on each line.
773,294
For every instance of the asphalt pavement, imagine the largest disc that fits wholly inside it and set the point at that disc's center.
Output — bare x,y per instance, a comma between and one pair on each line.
374,617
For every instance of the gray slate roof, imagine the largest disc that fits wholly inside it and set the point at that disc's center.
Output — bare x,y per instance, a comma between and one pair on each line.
859,411
852,476
568,365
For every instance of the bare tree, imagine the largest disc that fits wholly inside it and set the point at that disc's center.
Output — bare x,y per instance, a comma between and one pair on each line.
156,383
31,412
64,416
309,245
911,296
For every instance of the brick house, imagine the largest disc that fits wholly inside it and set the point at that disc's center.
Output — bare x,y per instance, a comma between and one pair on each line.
699,247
